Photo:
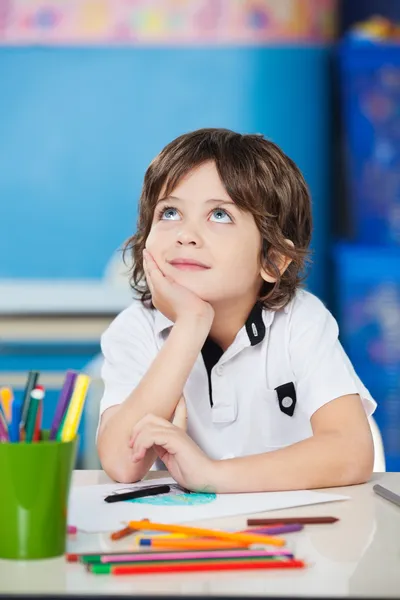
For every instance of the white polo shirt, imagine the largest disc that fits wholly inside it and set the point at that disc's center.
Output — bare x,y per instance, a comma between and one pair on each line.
257,396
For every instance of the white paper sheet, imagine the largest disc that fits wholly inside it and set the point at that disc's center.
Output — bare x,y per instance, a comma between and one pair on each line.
89,512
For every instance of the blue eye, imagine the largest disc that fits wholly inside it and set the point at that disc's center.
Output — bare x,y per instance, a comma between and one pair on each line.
169,214
221,216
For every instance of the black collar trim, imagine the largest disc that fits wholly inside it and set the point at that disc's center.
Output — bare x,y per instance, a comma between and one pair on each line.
255,326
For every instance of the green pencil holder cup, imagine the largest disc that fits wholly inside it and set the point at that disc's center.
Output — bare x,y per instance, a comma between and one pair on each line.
35,480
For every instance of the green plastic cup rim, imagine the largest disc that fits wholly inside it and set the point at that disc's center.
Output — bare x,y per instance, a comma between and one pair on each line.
42,443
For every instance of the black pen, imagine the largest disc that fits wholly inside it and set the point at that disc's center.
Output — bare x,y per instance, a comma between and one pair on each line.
154,490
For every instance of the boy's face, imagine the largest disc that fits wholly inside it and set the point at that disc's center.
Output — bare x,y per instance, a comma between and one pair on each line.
199,222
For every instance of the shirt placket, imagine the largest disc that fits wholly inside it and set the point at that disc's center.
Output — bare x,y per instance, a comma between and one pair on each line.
225,405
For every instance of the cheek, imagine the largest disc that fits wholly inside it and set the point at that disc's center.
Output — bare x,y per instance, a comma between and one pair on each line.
244,256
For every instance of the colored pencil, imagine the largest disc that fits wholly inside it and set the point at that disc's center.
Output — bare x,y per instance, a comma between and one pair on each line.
163,538
6,400
276,530
161,541
30,385
71,530
157,556
289,520
14,429
37,396
196,567
122,533
60,429
75,408
3,429
89,557
244,538
192,543
62,403
38,422
149,562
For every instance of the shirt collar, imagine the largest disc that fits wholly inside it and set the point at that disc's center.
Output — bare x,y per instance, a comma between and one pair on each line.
256,324
161,322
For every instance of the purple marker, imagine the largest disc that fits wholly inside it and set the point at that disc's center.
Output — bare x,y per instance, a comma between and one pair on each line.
63,402
291,528
3,430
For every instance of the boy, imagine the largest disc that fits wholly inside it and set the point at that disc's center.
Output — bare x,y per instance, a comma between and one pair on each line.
223,368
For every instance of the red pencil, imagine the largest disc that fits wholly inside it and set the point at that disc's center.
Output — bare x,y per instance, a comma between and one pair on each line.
38,422
206,566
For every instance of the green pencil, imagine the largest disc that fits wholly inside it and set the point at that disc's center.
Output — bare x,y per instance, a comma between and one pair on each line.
59,430
36,397
30,385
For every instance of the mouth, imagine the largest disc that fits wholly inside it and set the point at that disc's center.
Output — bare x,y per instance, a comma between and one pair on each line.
187,264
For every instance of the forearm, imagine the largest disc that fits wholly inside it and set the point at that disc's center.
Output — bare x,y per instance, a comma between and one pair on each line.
324,460
158,393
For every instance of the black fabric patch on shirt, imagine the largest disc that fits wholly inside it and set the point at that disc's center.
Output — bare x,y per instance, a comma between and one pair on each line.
287,398
211,353
255,325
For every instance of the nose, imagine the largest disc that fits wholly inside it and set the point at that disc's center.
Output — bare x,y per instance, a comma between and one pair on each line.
188,236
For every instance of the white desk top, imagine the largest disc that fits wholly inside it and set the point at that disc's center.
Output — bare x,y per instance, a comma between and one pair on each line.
359,556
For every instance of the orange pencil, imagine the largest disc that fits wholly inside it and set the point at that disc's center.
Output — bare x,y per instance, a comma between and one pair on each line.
243,538
121,533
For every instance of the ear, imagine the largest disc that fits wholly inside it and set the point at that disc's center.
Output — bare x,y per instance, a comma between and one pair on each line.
281,261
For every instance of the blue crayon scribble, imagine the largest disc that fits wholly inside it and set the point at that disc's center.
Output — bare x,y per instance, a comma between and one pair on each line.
176,499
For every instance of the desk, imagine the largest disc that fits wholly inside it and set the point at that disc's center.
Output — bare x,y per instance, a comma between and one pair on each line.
358,556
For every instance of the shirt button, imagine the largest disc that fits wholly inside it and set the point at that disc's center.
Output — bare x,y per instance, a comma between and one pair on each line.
220,370
287,402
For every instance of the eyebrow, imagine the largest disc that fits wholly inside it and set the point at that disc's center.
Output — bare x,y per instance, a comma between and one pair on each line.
215,200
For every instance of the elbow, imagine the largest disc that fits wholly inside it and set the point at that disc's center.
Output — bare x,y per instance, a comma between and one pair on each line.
121,473
360,473
358,464
118,467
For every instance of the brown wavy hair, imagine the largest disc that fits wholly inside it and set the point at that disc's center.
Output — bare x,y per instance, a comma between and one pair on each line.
260,178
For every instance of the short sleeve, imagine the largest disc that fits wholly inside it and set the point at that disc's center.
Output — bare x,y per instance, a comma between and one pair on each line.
128,347
321,367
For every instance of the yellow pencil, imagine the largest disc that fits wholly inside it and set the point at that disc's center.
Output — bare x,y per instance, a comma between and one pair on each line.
75,408
244,538
6,399
191,544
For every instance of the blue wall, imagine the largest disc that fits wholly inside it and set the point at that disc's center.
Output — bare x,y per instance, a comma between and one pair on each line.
78,128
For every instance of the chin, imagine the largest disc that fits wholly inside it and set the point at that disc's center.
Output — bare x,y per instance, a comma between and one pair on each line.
202,291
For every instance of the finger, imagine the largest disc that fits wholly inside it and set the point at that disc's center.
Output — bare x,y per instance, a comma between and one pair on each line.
161,452
152,266
149,257
140,447
157,277
155,436
147,275
146,422
143,422
149,261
